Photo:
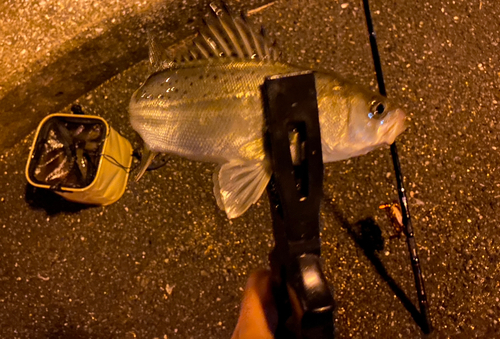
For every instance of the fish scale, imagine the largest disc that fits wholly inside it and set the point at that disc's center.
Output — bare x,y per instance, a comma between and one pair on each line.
212,112
211,109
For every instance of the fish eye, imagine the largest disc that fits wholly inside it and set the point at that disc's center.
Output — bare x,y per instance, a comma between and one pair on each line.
377,109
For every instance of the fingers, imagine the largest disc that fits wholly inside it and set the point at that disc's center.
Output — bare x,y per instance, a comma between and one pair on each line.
258,315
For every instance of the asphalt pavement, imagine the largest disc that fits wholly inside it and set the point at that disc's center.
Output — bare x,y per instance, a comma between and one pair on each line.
165,262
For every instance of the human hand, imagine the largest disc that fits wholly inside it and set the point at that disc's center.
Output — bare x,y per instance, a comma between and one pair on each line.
258,315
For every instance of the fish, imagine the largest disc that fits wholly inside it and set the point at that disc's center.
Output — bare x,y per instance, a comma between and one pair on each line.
204,102
68,154
54,164
88,133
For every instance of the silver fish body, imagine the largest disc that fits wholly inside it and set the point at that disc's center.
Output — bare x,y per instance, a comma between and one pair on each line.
212,111
207,111
205,103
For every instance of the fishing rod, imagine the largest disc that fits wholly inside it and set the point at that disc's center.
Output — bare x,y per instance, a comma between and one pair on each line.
425,324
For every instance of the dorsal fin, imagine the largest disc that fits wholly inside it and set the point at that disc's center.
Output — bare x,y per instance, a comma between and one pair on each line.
222,36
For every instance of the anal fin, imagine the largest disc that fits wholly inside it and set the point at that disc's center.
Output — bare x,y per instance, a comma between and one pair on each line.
239,183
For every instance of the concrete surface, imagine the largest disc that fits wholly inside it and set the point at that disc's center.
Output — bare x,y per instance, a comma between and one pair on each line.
164,262
56,51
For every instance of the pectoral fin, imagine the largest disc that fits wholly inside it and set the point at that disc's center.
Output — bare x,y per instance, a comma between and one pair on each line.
239,183
146,159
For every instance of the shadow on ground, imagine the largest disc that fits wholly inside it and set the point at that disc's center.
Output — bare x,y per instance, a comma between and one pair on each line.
40,198
368,237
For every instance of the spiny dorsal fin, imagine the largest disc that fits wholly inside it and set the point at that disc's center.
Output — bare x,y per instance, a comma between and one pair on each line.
222,36
157,55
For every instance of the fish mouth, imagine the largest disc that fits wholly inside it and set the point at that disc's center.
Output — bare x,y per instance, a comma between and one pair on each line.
395,127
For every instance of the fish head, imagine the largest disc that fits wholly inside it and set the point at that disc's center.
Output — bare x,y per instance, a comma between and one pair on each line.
372,121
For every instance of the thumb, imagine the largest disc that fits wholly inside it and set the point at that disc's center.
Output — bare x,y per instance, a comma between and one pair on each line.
258,315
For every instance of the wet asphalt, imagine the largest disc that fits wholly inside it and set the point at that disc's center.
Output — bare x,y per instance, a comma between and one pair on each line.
165,262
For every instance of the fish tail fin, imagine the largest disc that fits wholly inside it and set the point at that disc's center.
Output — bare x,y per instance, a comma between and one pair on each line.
239,183
155,51
159,57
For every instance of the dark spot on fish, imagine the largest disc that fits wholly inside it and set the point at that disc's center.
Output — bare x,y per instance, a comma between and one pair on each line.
58,94
191,84
215,76
185,92
239,78
201,77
